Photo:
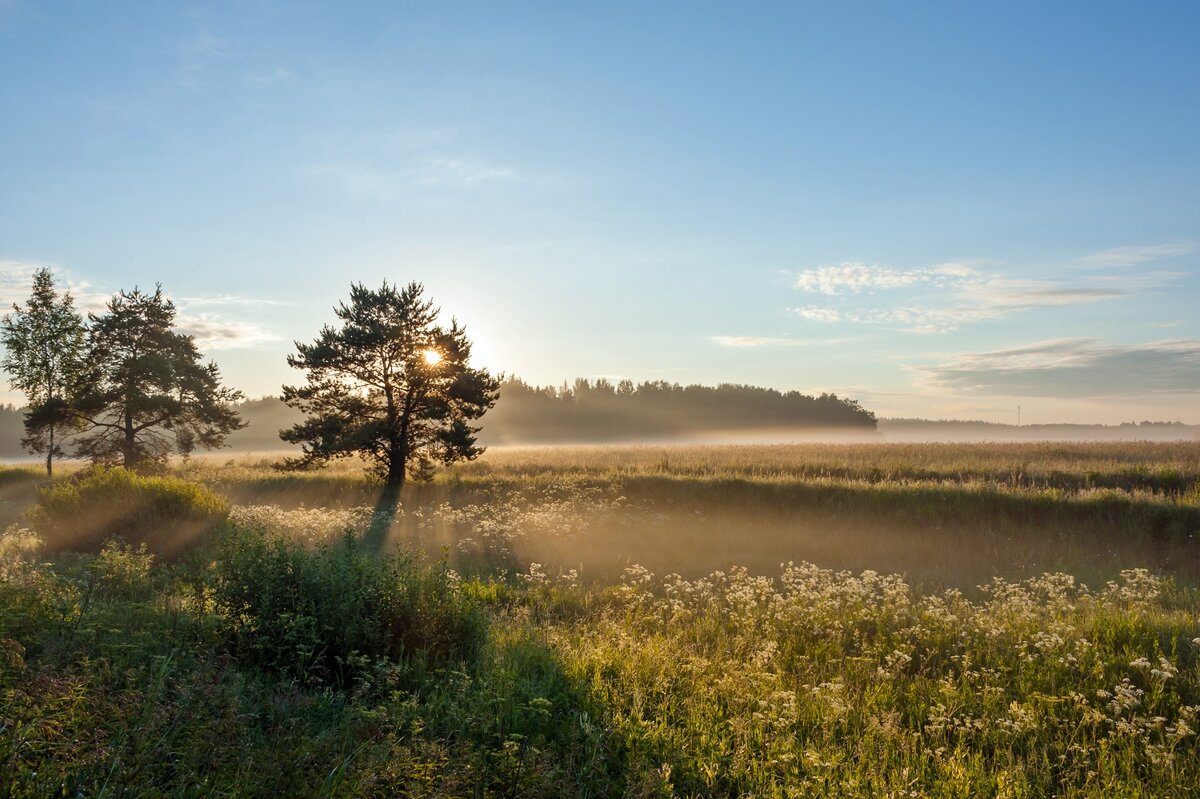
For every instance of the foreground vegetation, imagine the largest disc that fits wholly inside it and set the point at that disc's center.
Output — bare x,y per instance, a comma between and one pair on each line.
312,651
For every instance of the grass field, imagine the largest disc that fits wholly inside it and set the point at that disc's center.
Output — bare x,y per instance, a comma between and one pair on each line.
815,620
943,515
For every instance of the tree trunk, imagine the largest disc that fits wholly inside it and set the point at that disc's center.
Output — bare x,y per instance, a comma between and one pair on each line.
395,475
127,454
398,452
50,455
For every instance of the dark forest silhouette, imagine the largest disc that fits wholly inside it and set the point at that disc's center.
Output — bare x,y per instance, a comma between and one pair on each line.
591,411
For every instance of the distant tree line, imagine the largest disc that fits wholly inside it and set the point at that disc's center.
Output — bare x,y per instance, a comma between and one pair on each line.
602,410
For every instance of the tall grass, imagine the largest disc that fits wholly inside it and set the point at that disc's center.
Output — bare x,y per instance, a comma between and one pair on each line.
1163,467
943,515
830,684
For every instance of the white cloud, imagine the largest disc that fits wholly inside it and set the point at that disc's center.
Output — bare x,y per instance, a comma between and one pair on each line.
816,314
1132,256
1071,368
16,282
217,332
1000,292
966,294
856,277
914,319
213,331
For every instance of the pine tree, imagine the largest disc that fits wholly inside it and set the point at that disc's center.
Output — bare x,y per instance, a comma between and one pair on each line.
389,384
45,357
145,393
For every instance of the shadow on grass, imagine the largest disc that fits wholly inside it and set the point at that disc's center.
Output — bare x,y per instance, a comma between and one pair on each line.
383,517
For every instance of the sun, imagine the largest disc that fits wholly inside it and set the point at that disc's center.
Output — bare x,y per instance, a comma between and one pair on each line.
432,357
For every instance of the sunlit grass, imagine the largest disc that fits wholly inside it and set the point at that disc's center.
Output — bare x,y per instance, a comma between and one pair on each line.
963,515
1173,467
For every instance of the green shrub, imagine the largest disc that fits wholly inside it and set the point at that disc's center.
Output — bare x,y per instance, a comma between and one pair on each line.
122,572
166,514
339,614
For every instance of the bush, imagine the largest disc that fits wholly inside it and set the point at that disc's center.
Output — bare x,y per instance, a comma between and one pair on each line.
166,514
339,614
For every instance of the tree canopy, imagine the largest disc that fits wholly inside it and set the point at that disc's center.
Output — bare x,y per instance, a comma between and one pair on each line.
45,349
389,384
145,392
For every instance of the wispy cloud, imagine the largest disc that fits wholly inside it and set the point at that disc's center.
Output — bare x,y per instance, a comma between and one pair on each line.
223,329
957,294
741,342
226,299
213,331
1134,255
16,283
914,318
1009,294
855,277
1071,369
817,314
217,332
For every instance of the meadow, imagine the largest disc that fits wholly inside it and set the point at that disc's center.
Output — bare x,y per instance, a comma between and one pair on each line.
877,620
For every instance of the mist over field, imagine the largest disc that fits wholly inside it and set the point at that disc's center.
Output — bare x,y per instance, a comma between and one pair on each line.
514,424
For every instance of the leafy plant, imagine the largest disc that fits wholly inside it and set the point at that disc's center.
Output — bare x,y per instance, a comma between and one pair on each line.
338,614
166,514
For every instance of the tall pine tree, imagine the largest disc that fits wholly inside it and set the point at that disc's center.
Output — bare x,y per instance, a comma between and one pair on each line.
389,384
146,393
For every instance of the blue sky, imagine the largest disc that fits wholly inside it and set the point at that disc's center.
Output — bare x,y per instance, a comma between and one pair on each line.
943,209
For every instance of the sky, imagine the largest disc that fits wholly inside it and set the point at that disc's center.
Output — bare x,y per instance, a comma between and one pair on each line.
943,210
